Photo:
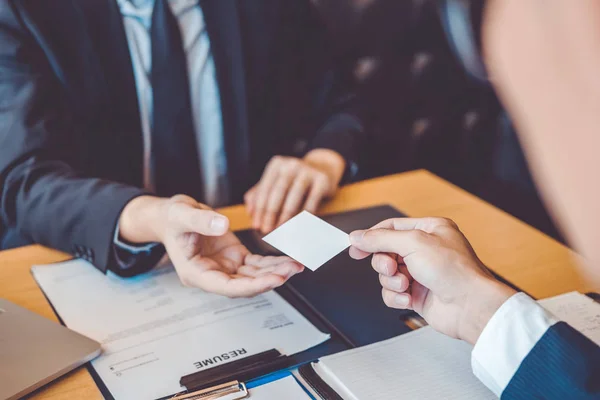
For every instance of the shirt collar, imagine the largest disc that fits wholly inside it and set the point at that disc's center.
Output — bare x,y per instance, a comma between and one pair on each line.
143,8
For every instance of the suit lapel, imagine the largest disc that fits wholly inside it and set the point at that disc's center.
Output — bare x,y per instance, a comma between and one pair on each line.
223,27
107,36
85,43
59,28
87,48
107,33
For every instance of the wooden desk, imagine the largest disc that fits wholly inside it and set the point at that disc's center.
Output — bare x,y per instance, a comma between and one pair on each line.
514,250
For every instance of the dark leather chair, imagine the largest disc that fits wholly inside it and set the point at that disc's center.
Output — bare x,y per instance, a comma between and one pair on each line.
462,20
422,109
510,185
427,100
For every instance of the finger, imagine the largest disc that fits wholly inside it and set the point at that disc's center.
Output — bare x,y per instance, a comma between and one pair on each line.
384,264
295,197
392,299
263,189
419,295
428,224
317,193
358,254
287,270
276,199
253,271
250,199
242,286
229,249
186,218
215,281
226,264
265,261
402,243
397,283
283,266
404,271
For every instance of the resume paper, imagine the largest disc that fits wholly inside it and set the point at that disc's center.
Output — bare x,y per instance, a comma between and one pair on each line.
153,330
309,240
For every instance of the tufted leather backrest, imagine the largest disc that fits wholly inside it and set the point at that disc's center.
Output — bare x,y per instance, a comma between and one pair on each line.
428,103
423,109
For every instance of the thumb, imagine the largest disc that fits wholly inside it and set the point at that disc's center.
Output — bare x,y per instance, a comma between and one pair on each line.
402,243
185,217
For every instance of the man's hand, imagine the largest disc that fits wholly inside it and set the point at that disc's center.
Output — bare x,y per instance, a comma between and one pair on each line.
205,254
289,185
426,264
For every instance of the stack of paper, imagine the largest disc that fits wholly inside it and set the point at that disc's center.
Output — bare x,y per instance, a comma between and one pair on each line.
427,365
154,331
578,310
423,364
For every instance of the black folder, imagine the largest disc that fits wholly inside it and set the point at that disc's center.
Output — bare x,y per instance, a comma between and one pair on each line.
342,298
344,295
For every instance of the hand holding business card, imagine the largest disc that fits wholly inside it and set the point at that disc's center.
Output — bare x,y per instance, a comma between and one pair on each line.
309,240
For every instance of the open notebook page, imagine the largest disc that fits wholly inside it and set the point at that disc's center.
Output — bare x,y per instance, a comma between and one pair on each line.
423,364
428,365
578,310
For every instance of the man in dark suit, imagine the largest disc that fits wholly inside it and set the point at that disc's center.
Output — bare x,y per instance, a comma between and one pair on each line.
544,57
121,119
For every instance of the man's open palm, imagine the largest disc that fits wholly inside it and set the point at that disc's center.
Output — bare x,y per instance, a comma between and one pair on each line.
219,263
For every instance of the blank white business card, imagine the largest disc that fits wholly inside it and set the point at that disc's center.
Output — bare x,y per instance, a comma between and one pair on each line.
309,240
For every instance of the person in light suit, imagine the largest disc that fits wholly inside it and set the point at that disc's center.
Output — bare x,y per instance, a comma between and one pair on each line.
544,58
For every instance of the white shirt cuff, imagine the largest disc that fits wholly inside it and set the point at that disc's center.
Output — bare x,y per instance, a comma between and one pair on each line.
506,340
133,249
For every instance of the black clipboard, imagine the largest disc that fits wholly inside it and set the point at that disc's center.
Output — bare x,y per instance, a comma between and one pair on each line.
342,299
345,294
324,298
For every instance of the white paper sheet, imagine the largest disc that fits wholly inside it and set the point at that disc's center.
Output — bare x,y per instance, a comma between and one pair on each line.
578,310
427,365
423,364
283,389
154,331
309,240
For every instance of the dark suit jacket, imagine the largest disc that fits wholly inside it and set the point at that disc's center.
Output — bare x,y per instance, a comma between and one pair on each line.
70,137
564,364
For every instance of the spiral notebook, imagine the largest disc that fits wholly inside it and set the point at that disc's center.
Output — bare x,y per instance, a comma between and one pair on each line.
424,364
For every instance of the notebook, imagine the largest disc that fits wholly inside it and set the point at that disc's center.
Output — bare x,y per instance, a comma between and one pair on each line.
577,310
425,364
422,364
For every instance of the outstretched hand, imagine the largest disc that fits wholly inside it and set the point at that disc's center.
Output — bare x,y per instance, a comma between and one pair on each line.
427,265
204,252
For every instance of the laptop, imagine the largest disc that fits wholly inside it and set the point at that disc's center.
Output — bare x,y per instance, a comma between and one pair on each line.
35,351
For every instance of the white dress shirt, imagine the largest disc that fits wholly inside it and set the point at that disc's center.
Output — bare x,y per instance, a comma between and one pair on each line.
204,90
507,339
